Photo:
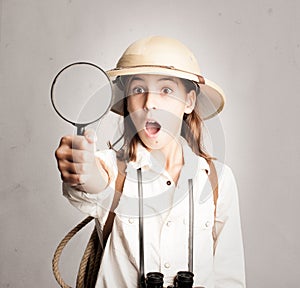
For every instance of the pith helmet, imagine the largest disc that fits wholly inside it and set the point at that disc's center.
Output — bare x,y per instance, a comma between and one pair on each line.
166,56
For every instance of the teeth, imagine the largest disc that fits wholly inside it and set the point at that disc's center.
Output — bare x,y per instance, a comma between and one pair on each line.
152,127
153,122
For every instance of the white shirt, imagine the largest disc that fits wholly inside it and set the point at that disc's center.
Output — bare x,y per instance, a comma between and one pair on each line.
217,264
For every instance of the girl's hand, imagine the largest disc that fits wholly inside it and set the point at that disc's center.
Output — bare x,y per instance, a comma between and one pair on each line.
78,165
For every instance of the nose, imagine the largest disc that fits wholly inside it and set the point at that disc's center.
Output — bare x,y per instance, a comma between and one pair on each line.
151,101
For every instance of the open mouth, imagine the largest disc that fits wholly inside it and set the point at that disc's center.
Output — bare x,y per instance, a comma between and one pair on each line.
152,128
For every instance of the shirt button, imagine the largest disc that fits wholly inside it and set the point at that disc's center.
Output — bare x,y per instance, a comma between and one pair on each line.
169,182
169,223
130,220
167,265
207,224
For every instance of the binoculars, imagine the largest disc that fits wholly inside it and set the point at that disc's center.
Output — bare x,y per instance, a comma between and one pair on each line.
183,279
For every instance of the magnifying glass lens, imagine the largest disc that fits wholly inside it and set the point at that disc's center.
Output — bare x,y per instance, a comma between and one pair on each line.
81,93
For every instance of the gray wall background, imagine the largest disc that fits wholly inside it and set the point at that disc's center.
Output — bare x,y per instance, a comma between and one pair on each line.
251,48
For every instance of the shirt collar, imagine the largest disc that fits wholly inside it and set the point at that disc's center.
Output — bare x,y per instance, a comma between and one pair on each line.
150,160
146,160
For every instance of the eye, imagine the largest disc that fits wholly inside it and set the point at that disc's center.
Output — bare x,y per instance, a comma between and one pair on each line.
166,91
138,90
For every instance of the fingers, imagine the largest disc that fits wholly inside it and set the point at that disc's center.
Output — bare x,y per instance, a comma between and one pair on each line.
90,136
77,142
75,156
75,173
73,179
76,159
75,149
75,168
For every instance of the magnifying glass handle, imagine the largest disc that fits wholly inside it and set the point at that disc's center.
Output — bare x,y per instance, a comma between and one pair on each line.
80,129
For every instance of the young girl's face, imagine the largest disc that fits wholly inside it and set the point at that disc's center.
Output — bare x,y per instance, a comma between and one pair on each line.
156,105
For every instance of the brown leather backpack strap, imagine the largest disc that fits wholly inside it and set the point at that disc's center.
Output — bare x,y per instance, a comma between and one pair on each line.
118,191
213,178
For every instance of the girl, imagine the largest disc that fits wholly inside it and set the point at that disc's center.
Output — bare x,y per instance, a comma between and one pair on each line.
163,99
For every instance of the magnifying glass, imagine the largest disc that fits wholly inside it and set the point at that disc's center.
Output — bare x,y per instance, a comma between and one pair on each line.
81,94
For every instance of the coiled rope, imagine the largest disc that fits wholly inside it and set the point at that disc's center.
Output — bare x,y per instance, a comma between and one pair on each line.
90,262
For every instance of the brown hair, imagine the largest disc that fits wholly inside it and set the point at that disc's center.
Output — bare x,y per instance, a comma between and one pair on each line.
191,128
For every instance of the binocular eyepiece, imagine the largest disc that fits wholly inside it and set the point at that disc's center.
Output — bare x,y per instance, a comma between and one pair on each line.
183,279
154,280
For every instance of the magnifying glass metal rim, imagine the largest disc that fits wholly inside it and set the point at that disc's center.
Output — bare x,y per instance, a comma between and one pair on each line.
52,93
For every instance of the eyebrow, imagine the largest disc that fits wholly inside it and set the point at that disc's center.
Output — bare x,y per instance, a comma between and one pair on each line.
136,78
159,80
168,79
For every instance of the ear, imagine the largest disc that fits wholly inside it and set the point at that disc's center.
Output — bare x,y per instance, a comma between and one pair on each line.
190,102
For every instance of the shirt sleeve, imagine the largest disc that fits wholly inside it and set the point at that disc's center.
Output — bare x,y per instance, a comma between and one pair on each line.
96,205
229,268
